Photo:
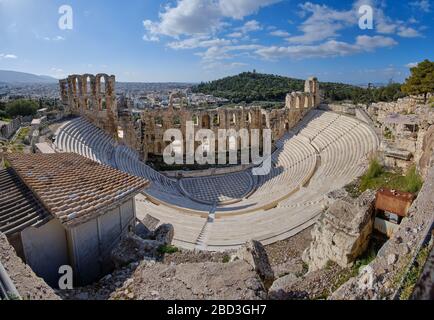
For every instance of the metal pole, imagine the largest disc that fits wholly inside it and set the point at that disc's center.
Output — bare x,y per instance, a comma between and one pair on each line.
7,288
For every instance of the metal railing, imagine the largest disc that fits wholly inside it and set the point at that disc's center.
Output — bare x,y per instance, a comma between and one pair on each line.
7,288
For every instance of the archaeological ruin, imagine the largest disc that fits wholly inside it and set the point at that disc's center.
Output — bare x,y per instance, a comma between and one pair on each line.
94,98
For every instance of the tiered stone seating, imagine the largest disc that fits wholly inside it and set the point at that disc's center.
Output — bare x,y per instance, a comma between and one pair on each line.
215,189
187,226
323,152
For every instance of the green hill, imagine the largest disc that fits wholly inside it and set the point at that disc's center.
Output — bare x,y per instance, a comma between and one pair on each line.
253,87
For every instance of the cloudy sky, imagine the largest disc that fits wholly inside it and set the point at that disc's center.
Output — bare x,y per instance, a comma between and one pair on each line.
201,40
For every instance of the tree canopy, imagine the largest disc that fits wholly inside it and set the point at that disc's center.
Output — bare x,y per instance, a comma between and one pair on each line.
254,87
421,80
21,107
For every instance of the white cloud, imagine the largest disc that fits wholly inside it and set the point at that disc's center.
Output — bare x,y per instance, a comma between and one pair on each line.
56,38
206,25
423,5
188,17
199,17
411,64
199,42
250,26
236,35
226,52
280,33
330,48
238,9
7,56
323,23
408,32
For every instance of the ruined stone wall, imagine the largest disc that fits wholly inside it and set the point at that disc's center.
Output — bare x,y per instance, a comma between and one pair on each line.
94,98
307,99
382,278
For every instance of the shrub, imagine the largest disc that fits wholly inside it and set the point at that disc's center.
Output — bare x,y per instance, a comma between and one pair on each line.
167,249
226,258
376,177
413,180
21,108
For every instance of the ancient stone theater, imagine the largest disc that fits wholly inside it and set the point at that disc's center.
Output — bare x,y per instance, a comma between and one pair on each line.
218,208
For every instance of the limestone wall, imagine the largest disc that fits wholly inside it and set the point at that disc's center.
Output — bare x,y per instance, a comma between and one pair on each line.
383,276
93,97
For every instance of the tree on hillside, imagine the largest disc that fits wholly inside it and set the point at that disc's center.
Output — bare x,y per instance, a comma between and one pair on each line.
21,107
421,80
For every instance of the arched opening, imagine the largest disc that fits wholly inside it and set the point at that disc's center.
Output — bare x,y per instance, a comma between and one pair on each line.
103,103
177,121
195,120
216,120
76,85
233,143
249,117
234,119
159,148
102,85
88,85
264,121
158,121
206,147
206,122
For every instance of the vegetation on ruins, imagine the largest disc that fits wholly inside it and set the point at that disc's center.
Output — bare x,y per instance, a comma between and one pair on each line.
431,102
21,107
414,273
421,80
8,147
167,249
377,177
266,89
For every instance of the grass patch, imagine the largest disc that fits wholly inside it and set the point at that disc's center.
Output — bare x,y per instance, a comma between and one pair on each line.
377,177
388,134
5,119
414,274
353,189
24,133
167,249
226,258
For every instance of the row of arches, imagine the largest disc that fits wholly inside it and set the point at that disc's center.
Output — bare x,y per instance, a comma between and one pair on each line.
209,121
89,91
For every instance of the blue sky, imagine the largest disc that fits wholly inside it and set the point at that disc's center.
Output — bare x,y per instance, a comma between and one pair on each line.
201,40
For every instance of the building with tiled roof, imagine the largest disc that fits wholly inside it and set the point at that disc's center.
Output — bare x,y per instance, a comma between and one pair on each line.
64,209
74,188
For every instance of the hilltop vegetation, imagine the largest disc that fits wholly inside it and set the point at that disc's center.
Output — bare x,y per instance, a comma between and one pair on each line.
252,87
21,107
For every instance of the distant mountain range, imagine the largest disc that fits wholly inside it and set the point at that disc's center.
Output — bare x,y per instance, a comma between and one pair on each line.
21,77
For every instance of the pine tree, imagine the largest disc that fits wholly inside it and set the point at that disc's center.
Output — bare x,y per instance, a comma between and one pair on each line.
421,80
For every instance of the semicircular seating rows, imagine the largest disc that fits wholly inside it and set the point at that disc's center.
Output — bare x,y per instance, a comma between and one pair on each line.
324,152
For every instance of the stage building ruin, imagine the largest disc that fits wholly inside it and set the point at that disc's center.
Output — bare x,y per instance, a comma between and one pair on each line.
94,98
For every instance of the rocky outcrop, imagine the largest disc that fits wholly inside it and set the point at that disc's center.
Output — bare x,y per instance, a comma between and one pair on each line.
382,277
164,234
223,281
28,284
426,151
342,233
253,252
133,248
